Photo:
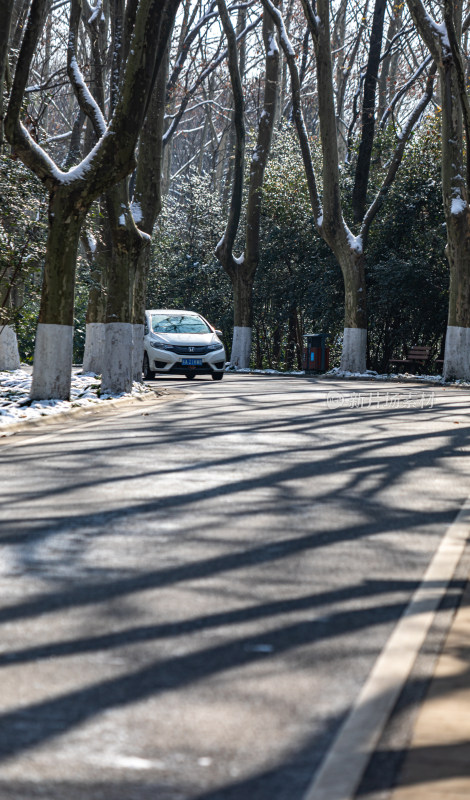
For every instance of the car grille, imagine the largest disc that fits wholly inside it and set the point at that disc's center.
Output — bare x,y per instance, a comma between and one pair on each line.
196,350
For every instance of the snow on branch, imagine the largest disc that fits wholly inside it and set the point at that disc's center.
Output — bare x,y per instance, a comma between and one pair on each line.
413,120
434,35
60,137
393,102
441,32
47,84
390,48
209,69
202,103
206,17
184,131
224,249
461,73
18,136
188,163
95,11
85,99
297,112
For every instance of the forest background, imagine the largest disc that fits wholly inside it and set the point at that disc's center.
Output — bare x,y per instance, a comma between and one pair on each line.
298,285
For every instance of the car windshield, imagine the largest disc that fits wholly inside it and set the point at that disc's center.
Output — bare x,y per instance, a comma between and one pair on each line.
178,323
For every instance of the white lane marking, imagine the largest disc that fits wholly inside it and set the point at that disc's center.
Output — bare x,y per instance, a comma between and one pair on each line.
343,767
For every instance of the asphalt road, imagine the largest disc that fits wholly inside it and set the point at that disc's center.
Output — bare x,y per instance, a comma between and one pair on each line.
195,589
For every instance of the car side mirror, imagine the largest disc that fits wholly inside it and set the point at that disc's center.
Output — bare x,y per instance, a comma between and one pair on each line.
219,333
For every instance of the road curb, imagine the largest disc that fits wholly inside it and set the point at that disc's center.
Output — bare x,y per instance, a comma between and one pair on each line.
81,411
436,764
339,776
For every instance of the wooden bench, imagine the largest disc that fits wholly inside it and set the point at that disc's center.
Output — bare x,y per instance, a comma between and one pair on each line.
418,355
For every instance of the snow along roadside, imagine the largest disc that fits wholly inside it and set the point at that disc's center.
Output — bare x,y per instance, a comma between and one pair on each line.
368,374
16,406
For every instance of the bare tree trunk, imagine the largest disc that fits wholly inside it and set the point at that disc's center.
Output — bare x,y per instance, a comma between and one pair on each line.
242,270
359,194
242,285
443,43
54,338
291,349
71,194
6,10
19,19
98,255
339,35
388,77
127,242
147,204
9,355
457,214
347,249
329,220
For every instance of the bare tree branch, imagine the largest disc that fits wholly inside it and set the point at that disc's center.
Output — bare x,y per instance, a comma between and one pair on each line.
299,122
461,79
402,91
224,250
85,99
397,157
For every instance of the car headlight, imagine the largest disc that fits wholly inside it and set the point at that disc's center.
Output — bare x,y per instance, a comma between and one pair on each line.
161,346
216,346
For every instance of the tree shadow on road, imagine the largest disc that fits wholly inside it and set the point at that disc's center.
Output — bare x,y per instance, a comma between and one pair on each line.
334,464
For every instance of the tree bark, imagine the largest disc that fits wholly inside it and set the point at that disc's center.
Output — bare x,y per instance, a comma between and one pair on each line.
242,270
442,42
54,337
457,214
111,161
359,195
332,227
96,308
388,76
9,355
127,242
147,204
6,10
328,220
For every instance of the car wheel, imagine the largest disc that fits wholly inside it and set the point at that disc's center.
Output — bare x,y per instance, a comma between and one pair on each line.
190,376
148,373
217,376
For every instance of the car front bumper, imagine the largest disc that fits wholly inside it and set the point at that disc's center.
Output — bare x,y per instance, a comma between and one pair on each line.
164,361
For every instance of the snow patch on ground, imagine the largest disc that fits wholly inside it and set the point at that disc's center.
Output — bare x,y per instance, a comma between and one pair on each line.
393,376
368,374
245,370
15,405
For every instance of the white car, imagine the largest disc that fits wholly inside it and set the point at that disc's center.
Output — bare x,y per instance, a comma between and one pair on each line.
183,343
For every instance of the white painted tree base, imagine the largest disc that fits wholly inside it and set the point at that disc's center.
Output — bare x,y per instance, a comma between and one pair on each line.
137,352
354,352
52,370
116,376
94,347
241,347
9,355
457,353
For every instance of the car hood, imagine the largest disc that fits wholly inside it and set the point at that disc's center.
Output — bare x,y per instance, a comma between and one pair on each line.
190,339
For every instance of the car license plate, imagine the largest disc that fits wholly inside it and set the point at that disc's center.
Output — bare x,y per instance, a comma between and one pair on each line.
191,362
